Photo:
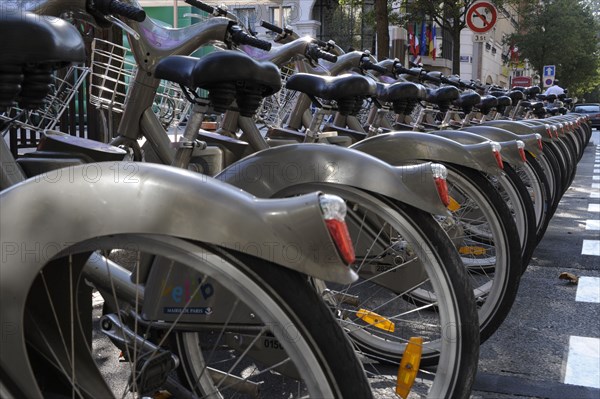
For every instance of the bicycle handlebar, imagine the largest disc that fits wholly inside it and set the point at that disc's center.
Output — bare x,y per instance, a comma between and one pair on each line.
399,69
206,8
313,51
240,37
127,11
275,28
368,65
116,7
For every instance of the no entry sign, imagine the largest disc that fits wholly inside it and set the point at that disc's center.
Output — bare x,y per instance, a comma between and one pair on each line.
481,17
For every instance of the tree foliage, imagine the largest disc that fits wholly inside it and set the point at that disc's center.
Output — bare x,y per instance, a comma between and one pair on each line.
563,33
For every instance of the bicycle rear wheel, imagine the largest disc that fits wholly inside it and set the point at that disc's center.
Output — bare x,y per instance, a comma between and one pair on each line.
412,277
482,228
260,326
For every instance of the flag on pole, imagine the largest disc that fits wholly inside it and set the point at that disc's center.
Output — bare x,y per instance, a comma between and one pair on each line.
411,40
433,44
417,49
428,36
424,47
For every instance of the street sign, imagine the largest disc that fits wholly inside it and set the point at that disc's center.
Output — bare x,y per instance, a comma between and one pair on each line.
549,70
479,38
481,17
524,81
549,74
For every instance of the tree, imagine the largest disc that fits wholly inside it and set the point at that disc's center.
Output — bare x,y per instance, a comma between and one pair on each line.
563,33
381,29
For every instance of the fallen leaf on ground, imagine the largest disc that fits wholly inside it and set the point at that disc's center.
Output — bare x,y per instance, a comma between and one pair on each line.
573,279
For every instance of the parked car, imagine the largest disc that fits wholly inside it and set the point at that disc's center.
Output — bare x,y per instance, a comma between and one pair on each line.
592,110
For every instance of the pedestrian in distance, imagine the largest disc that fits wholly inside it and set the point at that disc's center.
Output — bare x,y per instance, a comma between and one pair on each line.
555,89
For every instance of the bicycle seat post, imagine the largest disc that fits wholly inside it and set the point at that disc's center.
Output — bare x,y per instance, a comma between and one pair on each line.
313,131
185,146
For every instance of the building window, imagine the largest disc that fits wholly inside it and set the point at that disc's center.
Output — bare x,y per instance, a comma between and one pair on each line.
281,16
247,17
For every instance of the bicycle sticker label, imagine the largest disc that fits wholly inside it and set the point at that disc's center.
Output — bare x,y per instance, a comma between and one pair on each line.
190,310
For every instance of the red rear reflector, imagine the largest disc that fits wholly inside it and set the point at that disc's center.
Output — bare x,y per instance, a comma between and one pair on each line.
498,159
522,153
540,144
341,237
442,189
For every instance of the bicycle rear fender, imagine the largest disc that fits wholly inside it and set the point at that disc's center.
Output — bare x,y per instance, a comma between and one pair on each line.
398,148
510,149
48,213
270,171
500,135
520,128
131,198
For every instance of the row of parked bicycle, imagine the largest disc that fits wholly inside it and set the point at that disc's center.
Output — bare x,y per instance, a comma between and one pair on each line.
356,220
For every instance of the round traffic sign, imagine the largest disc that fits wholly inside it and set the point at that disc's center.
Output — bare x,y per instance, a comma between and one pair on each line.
481,17
549,81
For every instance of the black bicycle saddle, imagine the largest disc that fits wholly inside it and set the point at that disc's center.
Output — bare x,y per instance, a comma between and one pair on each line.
504,101
33,39
487,103
403,91
443,95
218,68
177,69
516,96
467,100
32,47
332,87
227,75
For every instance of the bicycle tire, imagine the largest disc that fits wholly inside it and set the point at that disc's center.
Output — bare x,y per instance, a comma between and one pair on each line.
480,196
325,361
445,276
534,177
516,196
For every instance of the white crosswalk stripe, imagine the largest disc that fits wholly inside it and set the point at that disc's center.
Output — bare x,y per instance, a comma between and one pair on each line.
583,363
588,290
592,224
590,247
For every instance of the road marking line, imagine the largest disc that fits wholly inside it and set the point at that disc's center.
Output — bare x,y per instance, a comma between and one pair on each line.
594,208
583,362
588,290
595,185
595,177
590,247
592,224
596,170
594,195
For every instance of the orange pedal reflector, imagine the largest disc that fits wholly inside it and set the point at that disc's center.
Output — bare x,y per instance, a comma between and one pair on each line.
471,250
453,206
409,366
375,320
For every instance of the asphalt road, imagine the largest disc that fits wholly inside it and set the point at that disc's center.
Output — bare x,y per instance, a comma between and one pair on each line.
529,355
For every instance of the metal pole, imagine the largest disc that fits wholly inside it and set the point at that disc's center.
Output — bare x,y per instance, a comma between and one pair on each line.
175,14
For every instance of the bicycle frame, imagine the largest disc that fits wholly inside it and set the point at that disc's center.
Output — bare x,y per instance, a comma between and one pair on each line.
139,120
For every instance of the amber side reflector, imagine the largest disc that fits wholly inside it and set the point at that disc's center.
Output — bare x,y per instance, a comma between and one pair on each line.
376,320
453,205
409,366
